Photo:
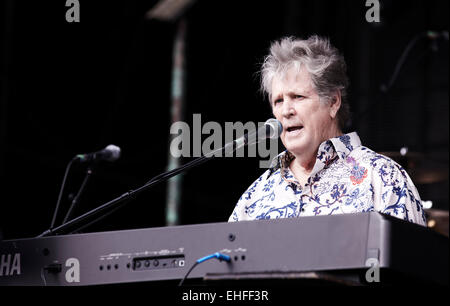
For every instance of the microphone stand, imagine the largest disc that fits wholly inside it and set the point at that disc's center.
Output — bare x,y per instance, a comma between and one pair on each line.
132,194
77,197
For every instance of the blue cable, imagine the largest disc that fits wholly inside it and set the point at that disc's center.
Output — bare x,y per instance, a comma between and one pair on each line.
217,255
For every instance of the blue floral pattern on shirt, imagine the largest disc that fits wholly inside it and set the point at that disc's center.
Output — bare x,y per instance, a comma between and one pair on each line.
346,178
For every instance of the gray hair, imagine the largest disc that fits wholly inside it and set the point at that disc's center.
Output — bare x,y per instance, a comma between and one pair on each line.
324,63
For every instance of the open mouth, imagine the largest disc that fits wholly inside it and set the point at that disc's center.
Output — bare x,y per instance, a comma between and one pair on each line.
294,128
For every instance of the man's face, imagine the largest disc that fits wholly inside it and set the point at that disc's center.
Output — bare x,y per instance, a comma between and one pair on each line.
306,121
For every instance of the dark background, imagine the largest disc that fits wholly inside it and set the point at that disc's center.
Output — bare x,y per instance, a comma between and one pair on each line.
70,88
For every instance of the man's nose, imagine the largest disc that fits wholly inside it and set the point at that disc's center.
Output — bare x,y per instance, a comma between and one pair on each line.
288,108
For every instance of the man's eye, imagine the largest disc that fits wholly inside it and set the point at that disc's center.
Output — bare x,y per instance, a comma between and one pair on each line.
299,96
278,101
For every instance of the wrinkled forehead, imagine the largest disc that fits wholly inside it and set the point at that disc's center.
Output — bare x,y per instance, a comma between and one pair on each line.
294,78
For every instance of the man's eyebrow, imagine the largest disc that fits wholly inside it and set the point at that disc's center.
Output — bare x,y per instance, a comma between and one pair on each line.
292,93
297,92
274,98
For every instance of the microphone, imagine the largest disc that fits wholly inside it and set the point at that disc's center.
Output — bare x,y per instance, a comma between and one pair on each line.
272,128
110,153
435,34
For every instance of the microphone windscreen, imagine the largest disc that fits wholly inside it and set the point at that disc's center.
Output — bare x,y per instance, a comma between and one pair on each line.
114,152
274,128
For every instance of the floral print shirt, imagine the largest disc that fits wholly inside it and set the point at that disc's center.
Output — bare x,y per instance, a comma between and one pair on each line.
346,178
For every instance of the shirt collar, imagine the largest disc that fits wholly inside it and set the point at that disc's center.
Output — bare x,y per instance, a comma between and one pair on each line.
346,143
341,145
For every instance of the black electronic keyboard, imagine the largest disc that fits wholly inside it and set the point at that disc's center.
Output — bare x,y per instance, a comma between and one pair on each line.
297,246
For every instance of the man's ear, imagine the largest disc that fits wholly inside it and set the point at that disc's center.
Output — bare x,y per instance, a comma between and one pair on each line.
335,104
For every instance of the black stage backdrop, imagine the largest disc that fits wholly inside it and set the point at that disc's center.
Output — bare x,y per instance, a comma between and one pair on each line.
69,88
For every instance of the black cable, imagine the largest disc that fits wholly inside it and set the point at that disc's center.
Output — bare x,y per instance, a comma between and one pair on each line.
189,271
384,87
432,35
217,255
55,213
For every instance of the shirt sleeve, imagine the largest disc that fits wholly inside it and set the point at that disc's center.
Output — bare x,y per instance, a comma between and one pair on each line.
396,195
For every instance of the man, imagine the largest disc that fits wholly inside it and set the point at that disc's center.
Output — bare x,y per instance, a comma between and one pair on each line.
322,171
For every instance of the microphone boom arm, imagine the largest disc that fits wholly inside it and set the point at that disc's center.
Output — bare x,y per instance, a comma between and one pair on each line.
133,193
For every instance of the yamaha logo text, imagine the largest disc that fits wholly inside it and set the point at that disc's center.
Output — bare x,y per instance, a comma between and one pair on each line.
10,264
